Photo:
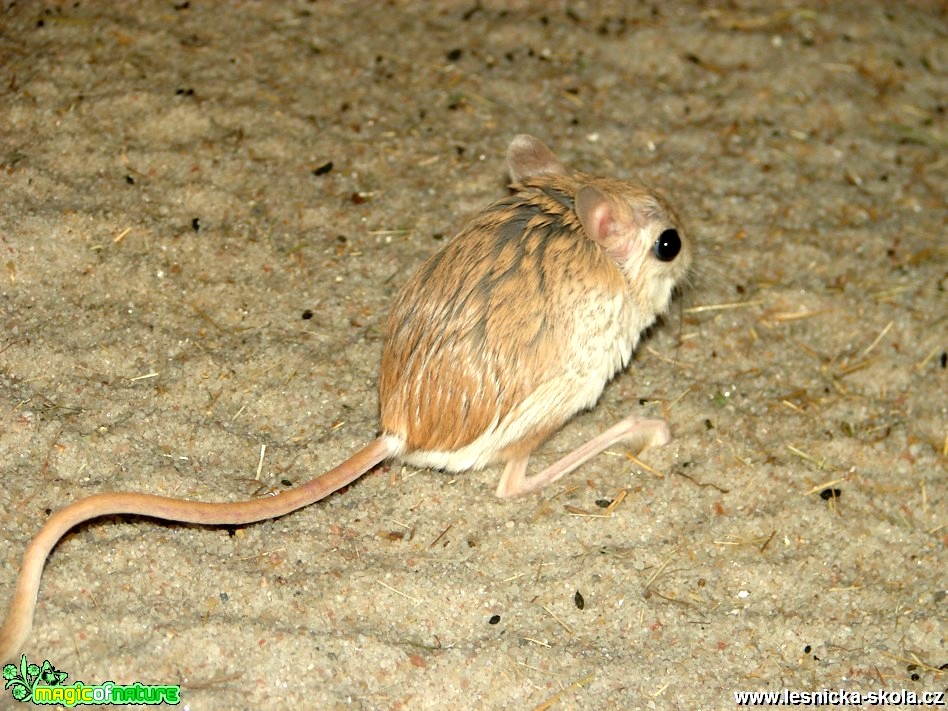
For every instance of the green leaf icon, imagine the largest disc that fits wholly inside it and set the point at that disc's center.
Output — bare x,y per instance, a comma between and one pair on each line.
24,676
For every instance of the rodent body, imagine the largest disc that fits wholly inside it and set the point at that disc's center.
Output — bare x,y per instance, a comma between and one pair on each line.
532,320
493,344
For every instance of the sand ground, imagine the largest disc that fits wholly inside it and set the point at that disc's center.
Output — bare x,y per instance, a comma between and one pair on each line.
183,181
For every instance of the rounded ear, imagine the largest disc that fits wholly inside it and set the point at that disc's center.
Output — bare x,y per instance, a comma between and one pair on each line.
598,217
528,156
595,214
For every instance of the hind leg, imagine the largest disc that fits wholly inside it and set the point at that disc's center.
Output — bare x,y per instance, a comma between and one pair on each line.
645,433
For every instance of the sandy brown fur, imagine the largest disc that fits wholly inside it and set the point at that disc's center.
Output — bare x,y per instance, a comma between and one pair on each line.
502,293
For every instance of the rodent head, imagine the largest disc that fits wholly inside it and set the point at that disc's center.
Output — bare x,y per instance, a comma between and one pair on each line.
640,232
634,226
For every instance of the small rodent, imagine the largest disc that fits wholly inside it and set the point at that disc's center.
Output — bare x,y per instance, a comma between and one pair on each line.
493,344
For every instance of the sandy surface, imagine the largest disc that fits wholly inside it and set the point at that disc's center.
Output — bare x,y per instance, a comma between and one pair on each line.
166,225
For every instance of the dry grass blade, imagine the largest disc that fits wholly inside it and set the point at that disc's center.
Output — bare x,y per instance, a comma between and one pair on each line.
441,535
549,703
562,624
784,316
215,682
722,307
398,592
635,460
877,339
820,487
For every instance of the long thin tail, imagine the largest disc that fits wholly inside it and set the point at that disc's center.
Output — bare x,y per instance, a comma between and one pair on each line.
19,621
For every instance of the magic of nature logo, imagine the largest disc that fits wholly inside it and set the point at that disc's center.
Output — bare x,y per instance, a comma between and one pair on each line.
46,685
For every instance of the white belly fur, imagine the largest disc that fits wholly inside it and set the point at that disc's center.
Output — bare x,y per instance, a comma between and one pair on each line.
589,361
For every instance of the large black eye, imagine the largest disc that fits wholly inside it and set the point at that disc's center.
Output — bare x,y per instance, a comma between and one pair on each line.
668,245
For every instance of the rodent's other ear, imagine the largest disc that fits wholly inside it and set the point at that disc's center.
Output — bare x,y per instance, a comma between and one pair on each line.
598,217
528,156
